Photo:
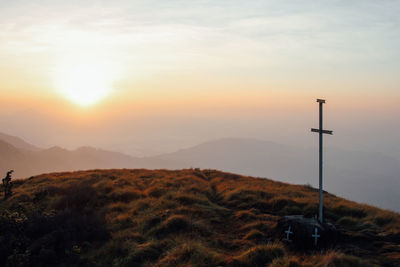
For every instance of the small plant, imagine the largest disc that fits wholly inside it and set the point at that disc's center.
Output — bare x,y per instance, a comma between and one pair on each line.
7,185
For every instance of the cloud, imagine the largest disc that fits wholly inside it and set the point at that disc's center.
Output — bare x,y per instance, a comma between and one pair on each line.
270,37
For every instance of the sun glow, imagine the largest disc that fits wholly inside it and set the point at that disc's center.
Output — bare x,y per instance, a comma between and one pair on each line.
84,84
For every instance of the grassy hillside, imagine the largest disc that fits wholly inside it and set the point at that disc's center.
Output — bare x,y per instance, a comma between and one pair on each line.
180,218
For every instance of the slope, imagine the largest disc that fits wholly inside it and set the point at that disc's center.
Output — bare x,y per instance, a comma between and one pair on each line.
368,177
187,217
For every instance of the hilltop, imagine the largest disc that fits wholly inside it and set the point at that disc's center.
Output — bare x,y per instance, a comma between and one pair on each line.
186,217
368,177
365,177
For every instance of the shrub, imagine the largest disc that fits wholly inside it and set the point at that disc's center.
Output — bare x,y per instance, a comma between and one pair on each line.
49,238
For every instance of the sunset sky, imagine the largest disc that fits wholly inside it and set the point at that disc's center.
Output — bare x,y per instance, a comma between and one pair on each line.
146,77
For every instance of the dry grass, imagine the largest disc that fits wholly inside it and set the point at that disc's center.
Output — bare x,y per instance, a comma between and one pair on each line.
180,218
258,256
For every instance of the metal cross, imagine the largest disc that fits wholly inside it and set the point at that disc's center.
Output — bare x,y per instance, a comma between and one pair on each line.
316,236
288,233
321,131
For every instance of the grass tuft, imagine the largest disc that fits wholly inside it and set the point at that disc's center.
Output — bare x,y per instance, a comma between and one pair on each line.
259,255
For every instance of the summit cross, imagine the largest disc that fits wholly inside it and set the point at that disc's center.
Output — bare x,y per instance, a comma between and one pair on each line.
321,132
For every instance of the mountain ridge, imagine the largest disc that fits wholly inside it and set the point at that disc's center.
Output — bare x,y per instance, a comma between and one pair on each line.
368,177
18,142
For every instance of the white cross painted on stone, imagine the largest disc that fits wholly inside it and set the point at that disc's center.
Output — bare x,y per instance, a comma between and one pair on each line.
316,236
288,233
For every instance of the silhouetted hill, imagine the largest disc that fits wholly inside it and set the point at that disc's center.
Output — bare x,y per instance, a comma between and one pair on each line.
18,142
365,177
181,218
27,162
9,153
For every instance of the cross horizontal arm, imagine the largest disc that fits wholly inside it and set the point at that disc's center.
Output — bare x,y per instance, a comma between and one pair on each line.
323,131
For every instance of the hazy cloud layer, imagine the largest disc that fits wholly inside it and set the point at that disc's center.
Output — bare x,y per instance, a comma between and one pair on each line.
257,66
270,37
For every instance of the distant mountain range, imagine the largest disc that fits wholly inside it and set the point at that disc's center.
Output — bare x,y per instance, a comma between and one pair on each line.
28,160
365,177
18,142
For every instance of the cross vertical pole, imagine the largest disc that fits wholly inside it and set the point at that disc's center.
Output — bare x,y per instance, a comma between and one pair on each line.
321,131
320,162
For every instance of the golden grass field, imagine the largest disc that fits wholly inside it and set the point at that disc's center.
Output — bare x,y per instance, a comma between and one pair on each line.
186,217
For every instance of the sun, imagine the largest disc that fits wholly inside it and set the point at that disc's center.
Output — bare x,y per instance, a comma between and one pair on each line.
83,84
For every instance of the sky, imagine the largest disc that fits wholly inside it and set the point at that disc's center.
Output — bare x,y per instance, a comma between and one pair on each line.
148,77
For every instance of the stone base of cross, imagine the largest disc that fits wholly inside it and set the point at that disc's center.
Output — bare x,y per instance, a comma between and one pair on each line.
306,233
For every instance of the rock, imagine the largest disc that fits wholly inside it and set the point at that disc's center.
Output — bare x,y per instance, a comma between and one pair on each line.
306,233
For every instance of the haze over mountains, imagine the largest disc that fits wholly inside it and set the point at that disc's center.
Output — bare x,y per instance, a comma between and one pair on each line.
365,177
